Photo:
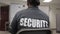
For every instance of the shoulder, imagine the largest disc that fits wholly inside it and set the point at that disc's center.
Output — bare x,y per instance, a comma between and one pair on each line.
21,12
44,15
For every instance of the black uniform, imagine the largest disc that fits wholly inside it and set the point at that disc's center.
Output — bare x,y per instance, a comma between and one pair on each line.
31,18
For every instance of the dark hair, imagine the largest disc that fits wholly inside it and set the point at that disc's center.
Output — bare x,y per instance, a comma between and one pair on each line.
33,2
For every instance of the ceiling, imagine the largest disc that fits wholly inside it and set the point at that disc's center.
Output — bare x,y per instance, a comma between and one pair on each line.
8,2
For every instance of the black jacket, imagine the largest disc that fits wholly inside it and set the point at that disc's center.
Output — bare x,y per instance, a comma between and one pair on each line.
31,18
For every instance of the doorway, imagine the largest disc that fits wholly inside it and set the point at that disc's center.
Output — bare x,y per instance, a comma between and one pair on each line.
4,17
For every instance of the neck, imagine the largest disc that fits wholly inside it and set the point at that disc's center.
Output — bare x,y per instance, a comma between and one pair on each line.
31,6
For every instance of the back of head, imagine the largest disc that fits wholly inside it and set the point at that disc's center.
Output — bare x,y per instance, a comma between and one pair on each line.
33,2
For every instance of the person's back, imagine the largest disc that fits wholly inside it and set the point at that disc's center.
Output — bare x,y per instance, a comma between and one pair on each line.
31,18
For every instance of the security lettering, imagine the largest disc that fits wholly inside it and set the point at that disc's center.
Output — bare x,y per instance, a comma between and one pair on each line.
33,23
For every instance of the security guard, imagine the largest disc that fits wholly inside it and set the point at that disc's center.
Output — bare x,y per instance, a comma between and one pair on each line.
30,18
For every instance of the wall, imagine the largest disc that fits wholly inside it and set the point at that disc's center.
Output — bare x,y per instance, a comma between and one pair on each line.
54,9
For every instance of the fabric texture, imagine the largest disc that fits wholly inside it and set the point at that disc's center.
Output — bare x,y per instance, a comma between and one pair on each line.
31,18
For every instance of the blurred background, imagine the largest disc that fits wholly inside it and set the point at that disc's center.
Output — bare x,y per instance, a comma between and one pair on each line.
8,8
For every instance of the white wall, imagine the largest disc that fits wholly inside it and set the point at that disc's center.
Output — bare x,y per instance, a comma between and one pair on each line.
53,12
45,9
54,9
